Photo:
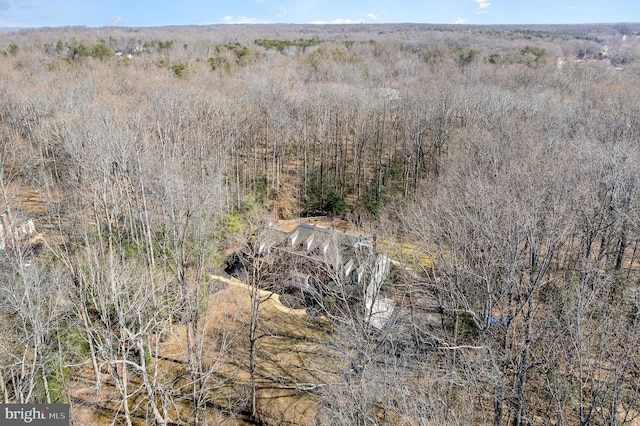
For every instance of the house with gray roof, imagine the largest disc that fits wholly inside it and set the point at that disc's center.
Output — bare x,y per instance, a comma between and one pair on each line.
323,261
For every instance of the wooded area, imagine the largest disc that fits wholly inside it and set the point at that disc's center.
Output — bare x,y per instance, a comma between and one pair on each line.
504,161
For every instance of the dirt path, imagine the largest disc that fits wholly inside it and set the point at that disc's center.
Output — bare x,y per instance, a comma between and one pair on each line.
268,296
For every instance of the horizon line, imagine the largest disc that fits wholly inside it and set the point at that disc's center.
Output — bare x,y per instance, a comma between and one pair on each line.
317,24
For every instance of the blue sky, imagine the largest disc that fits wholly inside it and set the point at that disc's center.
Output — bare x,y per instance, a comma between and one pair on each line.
40,13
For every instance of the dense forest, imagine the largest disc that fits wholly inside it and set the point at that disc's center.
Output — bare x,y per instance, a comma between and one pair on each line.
503,160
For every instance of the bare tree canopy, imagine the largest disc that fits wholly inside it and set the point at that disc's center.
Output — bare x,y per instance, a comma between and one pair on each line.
332,225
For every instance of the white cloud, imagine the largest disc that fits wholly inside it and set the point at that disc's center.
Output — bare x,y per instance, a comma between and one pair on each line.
372,16
461,21
260,1
117,20
342,21
240,20
335,21
482,4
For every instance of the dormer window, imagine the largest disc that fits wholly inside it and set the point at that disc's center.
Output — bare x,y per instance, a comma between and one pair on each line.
292,238
306,244
348,267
